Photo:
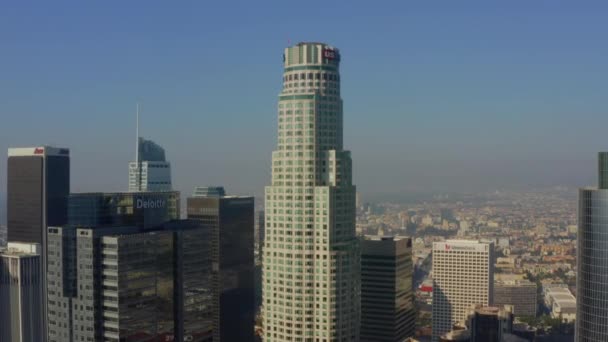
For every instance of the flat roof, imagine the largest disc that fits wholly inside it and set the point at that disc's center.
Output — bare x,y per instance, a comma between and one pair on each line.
38,151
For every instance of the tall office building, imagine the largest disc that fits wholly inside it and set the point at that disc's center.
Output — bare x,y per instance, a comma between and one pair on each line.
38,184
387,298
592,259
230,220
150,171
129,283
311,261
463,275
20,293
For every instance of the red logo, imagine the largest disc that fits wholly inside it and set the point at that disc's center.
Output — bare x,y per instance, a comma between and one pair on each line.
447,247
38,150
329,54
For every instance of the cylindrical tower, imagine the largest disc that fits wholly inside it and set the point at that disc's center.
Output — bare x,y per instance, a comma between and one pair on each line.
592,260
311,259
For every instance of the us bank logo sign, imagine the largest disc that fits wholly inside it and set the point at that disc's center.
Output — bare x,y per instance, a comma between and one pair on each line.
150,203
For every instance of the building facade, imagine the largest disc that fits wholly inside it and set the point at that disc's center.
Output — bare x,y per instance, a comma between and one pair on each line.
230,221
463,275
387,299
490,323
592,259
38,185
141,209
150,171
311,261
521,294
129,283
21,293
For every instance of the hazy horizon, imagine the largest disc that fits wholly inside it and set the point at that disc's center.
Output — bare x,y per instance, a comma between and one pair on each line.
431,101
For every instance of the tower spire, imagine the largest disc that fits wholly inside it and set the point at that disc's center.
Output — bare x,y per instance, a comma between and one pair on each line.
137,133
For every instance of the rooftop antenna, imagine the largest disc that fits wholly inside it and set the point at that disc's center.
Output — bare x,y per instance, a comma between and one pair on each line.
137,161
137,133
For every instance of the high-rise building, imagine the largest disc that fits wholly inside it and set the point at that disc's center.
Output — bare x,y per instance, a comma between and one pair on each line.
150,171
463,275
521,294
38,184
21,293
311,258
387,299
140,209
230,220
129,283
592,258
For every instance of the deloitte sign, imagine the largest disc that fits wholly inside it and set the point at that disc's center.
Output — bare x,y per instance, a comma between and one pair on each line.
150,203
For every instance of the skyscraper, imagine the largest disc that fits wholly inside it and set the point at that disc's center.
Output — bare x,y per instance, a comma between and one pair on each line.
129,283
38,185
387,298
311,260
230,221
463,275
150,171
592,259
20,293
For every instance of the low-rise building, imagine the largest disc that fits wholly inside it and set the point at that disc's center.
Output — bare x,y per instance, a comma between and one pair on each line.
560,301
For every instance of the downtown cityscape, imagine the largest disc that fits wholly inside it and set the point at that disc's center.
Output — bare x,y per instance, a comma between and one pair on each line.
201,242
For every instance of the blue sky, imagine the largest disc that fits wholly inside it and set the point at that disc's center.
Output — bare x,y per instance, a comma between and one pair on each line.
439,95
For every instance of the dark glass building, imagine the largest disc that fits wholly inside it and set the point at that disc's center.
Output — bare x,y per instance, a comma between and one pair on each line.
490,323
231,222
38,184
141,209
119,284
592,259
387,302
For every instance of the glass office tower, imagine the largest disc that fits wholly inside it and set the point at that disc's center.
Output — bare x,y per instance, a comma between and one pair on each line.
130,284
311,261
38,185
230,220
150,171
387,297
592,259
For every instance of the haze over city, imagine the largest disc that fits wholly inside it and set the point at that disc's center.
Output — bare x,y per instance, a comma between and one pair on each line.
464,97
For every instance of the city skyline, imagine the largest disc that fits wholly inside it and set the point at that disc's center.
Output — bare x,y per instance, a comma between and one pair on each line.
449,99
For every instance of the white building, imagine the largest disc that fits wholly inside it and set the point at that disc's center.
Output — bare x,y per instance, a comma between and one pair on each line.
150,171
463,276
311,260
21,293
561,302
